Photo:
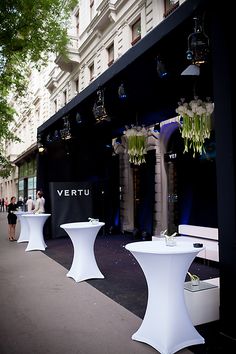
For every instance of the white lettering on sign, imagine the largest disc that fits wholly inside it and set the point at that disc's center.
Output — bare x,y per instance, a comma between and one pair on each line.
73,192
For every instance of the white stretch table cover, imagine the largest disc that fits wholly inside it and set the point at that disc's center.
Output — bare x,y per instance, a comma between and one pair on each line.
83,235
166,326
35,223
24,229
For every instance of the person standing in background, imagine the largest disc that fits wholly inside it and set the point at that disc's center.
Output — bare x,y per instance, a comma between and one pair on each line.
30,204
42,194
12,219
2,204
20,204
39,204
6,203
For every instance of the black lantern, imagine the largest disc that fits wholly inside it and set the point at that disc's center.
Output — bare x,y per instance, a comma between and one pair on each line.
198,44
99,110
41,147
65,132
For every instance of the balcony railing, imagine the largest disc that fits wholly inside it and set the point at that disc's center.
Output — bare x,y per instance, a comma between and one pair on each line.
73,59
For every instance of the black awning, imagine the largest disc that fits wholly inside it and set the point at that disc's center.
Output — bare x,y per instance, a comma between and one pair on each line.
155,37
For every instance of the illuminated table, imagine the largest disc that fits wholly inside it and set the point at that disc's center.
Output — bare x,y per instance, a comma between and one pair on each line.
166,326
35,224
83,235
24,229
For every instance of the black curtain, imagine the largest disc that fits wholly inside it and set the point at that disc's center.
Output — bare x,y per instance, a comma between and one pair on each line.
70,202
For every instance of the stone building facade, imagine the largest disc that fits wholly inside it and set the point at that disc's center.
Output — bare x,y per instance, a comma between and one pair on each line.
100,32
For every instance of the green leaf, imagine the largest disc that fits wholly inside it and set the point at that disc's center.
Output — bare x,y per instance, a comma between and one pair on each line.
29,32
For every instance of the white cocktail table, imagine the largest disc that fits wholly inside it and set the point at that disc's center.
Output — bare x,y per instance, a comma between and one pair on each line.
24,229
166,325
83,235
35,224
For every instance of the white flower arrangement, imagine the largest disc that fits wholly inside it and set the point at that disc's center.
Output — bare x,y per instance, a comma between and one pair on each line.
193,276
196,125
136,144
195,280
170,239
164,233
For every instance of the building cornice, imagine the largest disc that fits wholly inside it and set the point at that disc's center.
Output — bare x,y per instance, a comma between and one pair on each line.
26,155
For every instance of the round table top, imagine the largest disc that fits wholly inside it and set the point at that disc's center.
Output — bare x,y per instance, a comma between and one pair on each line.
32,215
160,247
82,225
21,212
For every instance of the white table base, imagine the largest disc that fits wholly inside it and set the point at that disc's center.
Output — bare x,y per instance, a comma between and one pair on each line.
84,265
36,223
166,326
24,229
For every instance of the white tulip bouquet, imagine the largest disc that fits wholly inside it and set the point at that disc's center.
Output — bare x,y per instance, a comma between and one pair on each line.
196,125
136,144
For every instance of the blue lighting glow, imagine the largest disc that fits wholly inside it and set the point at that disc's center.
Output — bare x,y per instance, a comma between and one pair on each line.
121,92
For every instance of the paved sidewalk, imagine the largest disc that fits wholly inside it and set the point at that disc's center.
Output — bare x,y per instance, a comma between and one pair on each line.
43,311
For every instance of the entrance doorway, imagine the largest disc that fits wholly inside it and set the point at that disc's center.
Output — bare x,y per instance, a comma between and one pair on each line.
192,191
137,195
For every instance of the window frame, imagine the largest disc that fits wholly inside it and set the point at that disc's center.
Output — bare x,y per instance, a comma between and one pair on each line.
136,38
76,81
91,9
55,103
110,54
169,7
65,96
77,20
91,71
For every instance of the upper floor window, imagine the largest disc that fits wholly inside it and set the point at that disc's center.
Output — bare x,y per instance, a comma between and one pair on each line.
136,31
91,9
55,105
77,23
77,85
170,6
110,54
37,115
65,97
91,71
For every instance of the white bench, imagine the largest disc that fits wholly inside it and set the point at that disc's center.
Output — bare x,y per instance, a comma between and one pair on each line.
203,305
208,236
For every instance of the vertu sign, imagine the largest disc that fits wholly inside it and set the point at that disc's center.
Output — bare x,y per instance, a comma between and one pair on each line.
73,192
70,202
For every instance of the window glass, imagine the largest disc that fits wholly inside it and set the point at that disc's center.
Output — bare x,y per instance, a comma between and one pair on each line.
91,72
31,183
91,9
77,85
110,52
21,185
31,167
27,178
32,187
170,6
77,22
136,31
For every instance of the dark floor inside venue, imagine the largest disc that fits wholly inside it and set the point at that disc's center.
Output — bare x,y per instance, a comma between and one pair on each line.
125,282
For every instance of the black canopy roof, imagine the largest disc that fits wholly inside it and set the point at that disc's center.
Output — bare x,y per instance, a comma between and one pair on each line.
149,98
